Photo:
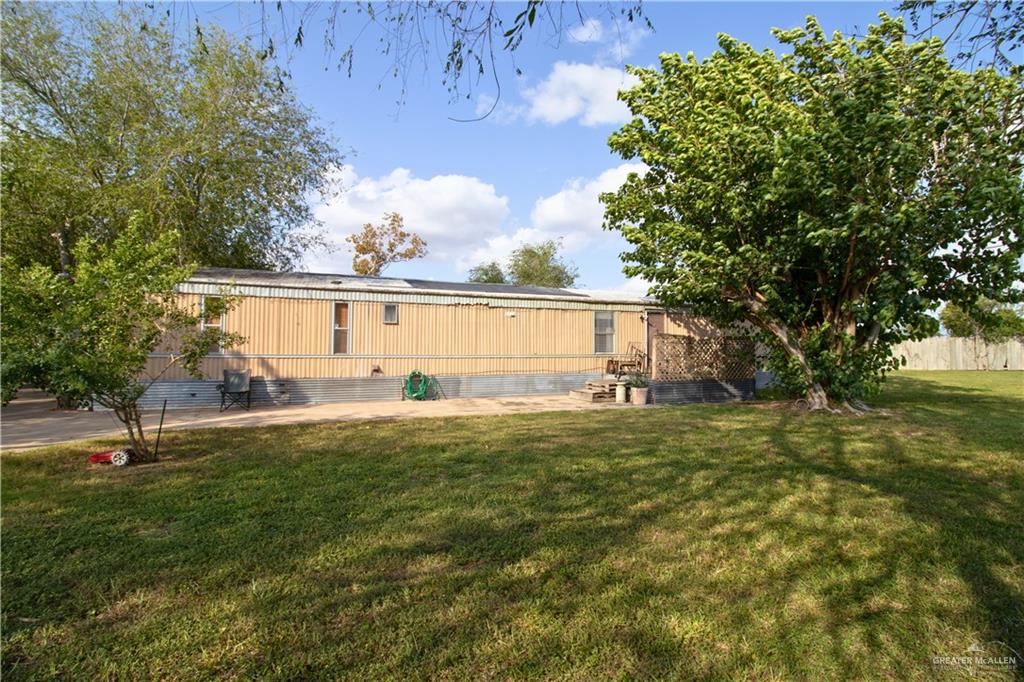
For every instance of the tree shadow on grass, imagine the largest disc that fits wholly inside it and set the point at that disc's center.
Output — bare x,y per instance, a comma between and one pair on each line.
999,412
975,517
689,542
595,518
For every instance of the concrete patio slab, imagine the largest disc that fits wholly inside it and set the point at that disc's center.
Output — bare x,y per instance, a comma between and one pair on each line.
31,420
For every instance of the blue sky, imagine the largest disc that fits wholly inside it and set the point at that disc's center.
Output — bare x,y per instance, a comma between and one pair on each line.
530,171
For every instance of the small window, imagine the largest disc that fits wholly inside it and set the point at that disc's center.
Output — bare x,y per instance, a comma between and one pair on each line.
604,331
340,340
212,317
390,313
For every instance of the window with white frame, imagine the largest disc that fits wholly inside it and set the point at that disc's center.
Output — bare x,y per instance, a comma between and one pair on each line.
339,342
604,331
212,317
390,313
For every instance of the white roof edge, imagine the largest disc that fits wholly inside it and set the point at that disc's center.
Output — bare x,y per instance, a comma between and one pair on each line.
584,296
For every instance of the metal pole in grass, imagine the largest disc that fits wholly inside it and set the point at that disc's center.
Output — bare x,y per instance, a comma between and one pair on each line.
156,450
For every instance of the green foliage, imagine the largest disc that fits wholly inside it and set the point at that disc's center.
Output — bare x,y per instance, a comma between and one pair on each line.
487,273
847,372
102,119
1009,324
88,332
830,197
540,265
958,321
988,320
25,336
638,380
536,265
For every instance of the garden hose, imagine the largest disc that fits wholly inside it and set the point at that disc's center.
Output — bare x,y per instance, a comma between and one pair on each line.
417,386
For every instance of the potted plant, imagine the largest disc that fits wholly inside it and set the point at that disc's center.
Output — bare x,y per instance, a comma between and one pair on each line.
638,392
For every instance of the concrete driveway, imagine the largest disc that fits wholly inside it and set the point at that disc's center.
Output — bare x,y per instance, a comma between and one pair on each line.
32,421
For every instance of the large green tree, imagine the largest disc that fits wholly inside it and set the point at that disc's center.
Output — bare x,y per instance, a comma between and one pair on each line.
828,197
105,115
541,265
88,331
530,265
987,320
487,273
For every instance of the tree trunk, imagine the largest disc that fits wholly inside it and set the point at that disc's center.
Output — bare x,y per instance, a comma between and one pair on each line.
132,419
67,401
63,237
143,453
817,398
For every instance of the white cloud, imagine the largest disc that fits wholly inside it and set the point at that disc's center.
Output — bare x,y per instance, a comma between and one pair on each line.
465,220
573,215
590,31
498,111
622,40
574,90
448,211
500,247
576,209
588,92
634,287
618,38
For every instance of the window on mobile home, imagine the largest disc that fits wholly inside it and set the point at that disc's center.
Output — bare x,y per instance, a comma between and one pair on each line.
390,313
604,331
212,318
340,340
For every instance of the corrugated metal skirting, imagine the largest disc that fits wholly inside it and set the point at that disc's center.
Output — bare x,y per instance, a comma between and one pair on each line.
710,391
198,393
487,386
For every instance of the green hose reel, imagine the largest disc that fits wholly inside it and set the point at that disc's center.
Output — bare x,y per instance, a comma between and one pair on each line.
417,386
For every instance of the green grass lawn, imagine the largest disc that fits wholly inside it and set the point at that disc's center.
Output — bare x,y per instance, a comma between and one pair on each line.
705,541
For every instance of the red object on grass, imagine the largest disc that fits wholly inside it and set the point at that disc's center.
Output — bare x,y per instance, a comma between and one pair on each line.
116,457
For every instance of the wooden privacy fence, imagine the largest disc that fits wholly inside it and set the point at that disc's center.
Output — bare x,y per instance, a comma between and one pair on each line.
687,358
946,352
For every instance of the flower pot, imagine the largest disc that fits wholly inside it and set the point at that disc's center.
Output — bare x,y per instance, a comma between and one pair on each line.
639,395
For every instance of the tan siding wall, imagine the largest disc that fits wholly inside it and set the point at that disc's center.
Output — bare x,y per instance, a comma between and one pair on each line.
288,368
274,325
189,301
475,330
562,340
630,328
682,324
282,326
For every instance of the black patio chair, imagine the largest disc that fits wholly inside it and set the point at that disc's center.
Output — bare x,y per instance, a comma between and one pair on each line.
235,389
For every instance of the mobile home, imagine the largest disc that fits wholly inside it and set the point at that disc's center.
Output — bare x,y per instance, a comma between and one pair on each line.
322,337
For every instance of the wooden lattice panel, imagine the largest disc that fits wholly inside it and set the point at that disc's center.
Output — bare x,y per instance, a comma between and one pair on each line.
686,358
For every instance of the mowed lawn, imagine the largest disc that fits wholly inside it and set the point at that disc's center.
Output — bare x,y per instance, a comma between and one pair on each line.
705,541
